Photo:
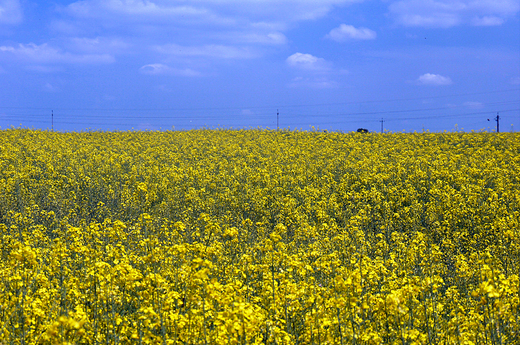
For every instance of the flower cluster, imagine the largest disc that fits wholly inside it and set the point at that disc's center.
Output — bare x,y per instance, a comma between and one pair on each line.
259,237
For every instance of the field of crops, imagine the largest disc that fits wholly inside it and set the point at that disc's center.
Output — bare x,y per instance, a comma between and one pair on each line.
259,237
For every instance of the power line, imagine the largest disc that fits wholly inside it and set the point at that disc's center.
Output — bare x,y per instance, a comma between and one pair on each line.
68,121
459,115
474,114
402,110
256,116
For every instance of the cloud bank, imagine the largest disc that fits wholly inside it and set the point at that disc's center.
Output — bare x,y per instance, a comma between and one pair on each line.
10,12
46,54
223,11
449,13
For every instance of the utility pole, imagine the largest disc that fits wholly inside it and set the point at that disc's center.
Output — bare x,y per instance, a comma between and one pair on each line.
52,120
277,119
382,120
497,119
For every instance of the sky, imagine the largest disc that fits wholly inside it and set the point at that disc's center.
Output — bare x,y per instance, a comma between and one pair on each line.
391,65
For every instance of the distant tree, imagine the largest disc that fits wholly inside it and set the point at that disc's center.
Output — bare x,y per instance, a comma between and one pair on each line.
362,130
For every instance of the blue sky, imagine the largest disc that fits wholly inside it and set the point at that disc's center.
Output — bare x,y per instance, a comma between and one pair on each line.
333,64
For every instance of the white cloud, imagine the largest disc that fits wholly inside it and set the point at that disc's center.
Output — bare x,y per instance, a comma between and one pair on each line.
314,72
253,37
44,68
348,32
268,26
313,83
48,87
474,105
305,9
10,12
440,20
487,21
308,62
160,69
449,13
274,38
141,15
90,8
233,13
98,45
210,50
433,79
44,54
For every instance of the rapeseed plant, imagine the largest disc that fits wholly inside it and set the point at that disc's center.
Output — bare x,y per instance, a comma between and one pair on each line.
259,237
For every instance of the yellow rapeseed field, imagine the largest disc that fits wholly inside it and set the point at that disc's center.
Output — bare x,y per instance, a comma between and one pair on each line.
259,237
